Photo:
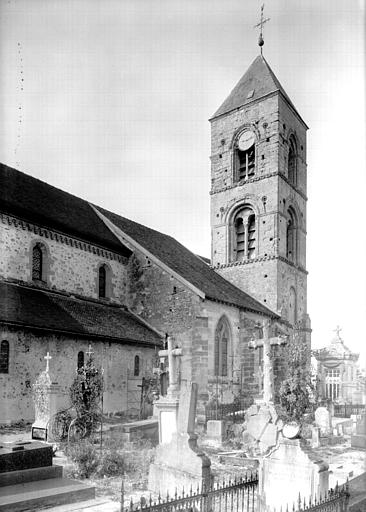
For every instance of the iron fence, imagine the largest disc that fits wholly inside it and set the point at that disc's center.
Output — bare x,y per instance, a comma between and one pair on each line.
345,410
335,500
230,412
238,495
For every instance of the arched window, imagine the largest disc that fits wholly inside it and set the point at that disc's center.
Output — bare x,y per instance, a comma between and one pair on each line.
292,306
37,263
102,281
222,339
245,235
291,236
4,357
80,359
245,155
136,367
292,162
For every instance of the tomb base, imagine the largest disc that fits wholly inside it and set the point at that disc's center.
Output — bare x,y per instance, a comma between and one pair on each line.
289,470
179,464
216,432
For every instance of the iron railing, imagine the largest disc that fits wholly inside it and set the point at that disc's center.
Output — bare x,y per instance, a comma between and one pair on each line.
229,412
335,500
345,410
238,495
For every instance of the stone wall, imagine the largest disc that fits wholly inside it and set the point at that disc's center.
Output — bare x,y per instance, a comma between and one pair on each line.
26,361
70,265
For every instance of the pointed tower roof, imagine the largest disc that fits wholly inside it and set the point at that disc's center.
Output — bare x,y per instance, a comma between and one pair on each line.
258,81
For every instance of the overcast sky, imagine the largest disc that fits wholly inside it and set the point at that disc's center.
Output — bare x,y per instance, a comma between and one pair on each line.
110,100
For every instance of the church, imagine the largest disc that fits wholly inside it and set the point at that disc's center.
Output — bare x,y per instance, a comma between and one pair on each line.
74,275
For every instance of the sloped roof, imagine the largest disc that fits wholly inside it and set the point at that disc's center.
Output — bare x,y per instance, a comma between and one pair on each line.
258,81
41,309
35,201
191,267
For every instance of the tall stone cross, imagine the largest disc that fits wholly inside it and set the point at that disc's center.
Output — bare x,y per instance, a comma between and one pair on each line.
172,354
48,358
266,343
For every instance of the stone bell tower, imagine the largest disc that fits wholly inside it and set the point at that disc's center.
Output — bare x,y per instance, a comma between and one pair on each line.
258,193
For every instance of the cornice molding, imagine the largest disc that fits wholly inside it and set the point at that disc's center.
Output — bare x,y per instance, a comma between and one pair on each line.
259,178
61,238
257,260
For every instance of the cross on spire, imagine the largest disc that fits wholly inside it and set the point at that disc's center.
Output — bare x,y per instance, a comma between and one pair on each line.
337,330
260,24
48,358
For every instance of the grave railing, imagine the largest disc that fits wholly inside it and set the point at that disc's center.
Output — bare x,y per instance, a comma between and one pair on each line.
238,495
346,410
335,500
230,412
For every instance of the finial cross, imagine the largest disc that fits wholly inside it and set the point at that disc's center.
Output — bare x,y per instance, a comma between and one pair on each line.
337,330
260,24
89,352
48,358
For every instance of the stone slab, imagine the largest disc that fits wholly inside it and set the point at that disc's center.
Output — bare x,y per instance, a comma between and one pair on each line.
34,455
44,493
269,436
216,430
358,441
30,475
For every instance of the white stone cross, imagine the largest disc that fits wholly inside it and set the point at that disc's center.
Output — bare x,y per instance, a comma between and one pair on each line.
266,343
47,357
172,354
89,351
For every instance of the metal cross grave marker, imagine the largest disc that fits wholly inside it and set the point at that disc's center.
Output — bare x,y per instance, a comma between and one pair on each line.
260,24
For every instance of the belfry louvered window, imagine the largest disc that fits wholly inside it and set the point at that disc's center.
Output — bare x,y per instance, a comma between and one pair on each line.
245,237
291,236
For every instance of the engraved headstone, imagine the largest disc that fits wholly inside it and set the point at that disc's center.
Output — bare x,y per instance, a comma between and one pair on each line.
46,396
288,471
323,420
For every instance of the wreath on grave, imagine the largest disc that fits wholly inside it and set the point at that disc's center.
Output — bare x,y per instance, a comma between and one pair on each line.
85,395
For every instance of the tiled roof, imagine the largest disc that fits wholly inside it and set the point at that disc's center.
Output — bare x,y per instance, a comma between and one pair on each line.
41,309
258,81
191,267
35,201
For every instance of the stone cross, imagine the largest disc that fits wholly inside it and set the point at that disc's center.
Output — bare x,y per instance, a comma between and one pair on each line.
187,407
47,357
172,354
266,343
89,352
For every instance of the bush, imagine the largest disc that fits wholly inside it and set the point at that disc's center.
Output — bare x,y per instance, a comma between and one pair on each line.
85,456
111,463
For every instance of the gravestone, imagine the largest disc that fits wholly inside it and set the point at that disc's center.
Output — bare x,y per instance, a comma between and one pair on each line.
263,428
30,481
216,432
47,401
315,437
323,420
288,470
180,463
358,440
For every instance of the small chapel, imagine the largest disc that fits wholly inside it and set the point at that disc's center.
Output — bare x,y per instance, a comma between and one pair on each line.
74,275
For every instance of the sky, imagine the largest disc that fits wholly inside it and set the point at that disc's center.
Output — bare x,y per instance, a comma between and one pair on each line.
110,100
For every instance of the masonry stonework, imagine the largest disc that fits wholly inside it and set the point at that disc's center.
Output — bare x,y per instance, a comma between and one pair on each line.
69,268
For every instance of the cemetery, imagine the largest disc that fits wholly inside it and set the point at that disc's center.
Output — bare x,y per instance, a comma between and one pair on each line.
83,460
